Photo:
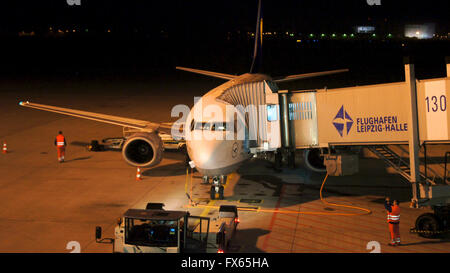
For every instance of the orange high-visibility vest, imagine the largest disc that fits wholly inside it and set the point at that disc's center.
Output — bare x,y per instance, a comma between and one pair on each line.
394,215
60,141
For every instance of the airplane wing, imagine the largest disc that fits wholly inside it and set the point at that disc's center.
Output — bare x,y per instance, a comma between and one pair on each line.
115,120
309,75
208,73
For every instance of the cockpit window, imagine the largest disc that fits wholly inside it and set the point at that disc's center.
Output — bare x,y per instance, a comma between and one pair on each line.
219,126
202,126
213,126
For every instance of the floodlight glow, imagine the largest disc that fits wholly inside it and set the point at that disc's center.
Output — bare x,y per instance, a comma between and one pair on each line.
425,31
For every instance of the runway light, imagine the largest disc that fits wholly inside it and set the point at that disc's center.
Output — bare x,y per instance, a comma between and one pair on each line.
334,35
220,251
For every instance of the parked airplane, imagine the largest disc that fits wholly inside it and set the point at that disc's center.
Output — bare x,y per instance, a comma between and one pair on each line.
215,156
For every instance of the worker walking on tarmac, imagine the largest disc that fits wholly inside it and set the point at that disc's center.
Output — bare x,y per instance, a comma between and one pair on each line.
60,143
393,218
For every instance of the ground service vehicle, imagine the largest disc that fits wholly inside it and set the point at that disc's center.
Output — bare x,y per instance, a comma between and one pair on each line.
154,230
433,225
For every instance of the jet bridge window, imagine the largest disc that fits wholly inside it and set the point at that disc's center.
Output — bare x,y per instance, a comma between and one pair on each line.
161,233
272,112
301,110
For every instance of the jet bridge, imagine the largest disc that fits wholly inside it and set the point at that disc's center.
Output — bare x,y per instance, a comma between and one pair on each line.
412,112
366,115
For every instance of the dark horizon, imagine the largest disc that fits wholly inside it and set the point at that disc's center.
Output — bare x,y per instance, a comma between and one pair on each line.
200,16
148,39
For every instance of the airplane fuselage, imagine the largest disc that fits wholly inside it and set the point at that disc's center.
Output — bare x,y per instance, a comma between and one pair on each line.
213,151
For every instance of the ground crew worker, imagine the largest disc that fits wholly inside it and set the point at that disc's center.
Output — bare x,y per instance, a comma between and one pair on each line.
60,143
393,218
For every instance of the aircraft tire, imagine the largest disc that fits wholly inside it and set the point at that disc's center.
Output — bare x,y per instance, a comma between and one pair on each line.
213,193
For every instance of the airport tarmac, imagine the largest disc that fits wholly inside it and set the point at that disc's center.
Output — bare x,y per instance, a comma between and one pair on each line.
46,205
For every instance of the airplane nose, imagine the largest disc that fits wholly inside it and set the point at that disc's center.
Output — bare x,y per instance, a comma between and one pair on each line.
209,155
202,153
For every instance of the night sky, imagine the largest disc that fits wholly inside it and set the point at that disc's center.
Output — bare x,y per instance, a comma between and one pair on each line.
180,16
150,38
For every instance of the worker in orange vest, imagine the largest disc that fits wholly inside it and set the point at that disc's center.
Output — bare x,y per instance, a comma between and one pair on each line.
393,218
60,143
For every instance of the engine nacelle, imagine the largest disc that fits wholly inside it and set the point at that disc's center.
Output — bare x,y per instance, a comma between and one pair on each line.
314,161
143,150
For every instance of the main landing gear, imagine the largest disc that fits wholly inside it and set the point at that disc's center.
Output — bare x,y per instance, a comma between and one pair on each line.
216,186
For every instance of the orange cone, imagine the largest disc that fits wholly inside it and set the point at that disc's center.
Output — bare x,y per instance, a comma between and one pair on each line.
138,174
5,148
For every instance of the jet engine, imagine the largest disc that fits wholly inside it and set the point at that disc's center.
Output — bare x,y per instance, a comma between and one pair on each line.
143,149
314,161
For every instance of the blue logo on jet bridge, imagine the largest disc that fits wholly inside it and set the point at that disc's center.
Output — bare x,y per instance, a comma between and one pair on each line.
342,122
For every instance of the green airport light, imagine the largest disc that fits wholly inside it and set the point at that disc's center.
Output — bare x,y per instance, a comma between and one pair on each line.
344,35
334,35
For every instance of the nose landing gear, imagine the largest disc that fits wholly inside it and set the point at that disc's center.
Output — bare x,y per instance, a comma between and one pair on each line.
217,186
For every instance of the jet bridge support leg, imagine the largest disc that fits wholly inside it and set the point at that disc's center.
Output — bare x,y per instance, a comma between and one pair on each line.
413,132
287,150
